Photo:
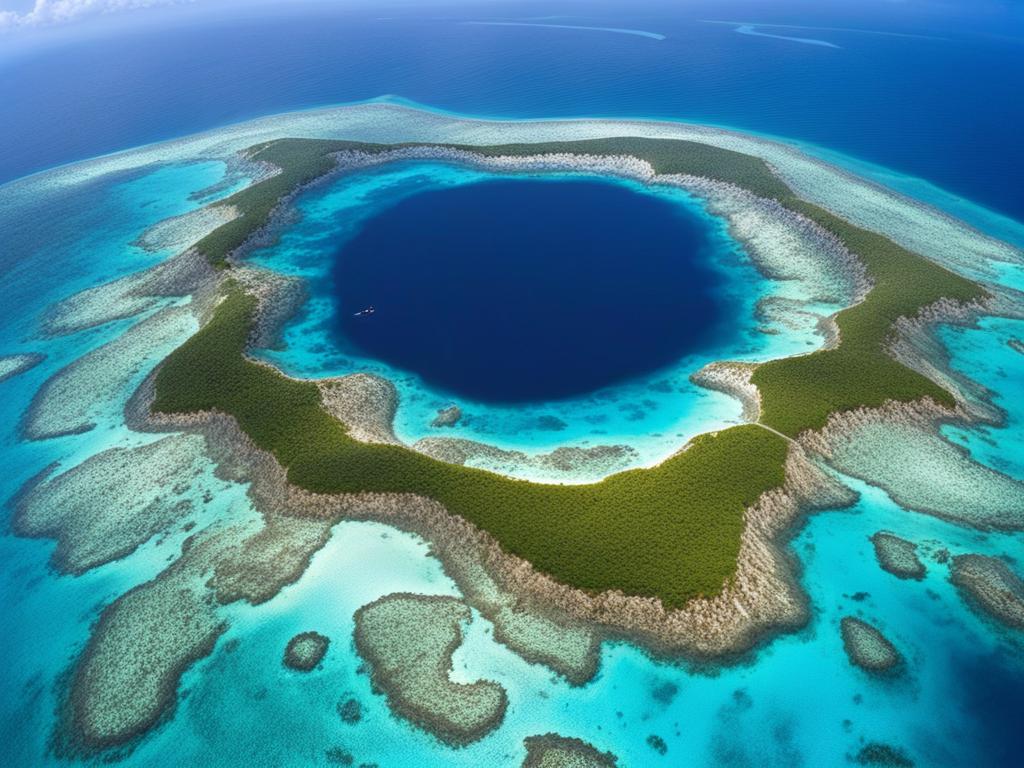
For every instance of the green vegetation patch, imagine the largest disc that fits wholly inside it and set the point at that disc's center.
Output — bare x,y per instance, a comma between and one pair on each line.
301,161
672,531
666,156
799,393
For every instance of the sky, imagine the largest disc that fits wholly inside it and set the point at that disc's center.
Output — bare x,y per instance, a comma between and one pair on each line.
34,13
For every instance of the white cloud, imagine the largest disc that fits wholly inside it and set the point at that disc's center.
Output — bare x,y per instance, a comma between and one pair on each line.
46,12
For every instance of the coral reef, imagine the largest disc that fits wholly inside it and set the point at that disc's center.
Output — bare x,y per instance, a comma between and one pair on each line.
128,674
181,231
104,508
179,276
259,565
305,651
408,641
554,751
990,584
867,647
447,417
883,756
568,461
897,448
14,365
365,404
732,379
898,556
68,402
350,710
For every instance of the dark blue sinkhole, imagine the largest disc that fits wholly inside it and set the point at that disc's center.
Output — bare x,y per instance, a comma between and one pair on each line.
524,290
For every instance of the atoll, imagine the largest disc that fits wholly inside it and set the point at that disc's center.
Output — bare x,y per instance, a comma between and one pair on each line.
683,557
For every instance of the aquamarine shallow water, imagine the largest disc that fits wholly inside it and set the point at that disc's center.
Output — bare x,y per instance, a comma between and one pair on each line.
785,705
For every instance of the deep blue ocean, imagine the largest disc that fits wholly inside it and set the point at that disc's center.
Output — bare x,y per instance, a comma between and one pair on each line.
929,89
598,284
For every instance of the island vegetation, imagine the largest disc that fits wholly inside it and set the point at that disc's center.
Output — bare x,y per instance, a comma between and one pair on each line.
671,531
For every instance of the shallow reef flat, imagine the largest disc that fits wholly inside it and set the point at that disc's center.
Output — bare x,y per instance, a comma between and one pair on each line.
408,641
991,585
899,449
128,296
181,231
366,405
14,365
114,501
569,462
68,402
128,675
554,751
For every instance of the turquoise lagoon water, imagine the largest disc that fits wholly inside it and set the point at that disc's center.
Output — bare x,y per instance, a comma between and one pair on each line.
796,701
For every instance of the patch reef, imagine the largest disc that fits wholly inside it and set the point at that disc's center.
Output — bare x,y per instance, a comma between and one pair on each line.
554,751
868,648
305,651
15,365
408,641
898,556
989,584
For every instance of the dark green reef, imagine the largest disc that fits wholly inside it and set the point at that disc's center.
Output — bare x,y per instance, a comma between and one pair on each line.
672,531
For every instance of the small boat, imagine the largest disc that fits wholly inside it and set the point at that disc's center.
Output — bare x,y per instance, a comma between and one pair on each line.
365,312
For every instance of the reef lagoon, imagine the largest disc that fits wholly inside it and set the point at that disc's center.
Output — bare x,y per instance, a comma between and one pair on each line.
151,629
